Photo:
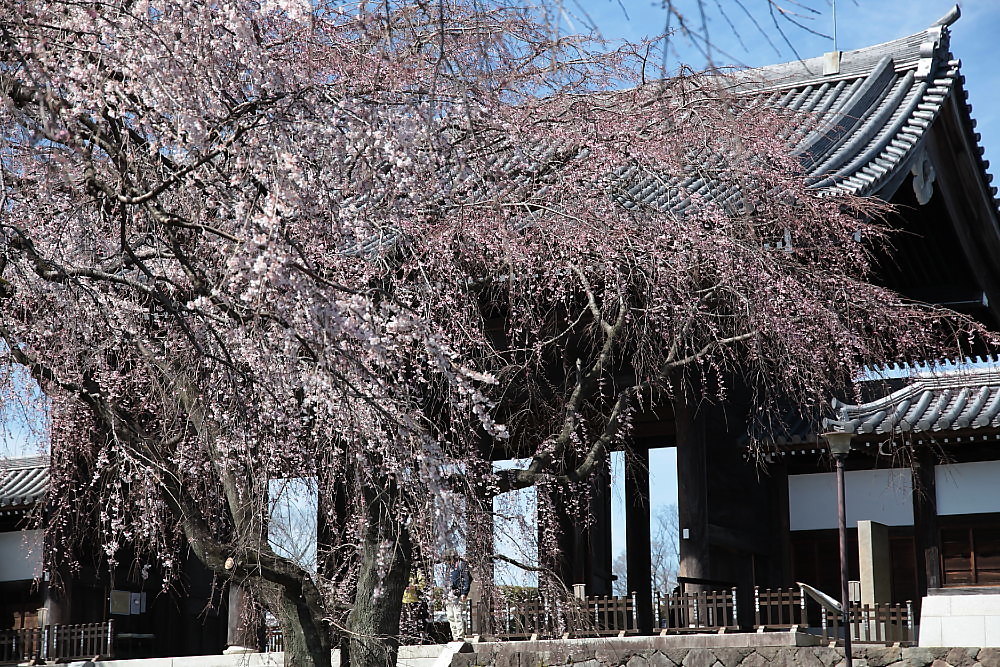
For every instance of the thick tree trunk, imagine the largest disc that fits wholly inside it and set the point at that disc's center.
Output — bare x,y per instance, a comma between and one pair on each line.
307,642
385,563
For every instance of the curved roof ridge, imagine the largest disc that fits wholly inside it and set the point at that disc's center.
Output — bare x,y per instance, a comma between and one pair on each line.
949,379
917,52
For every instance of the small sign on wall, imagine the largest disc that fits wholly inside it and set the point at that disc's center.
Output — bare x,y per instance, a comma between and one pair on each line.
127,603
121,603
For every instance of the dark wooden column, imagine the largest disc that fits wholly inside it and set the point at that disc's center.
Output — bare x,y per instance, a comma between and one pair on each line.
58,600
780,565
481,523
692,490
637,547
58,581
926,537
557,537
244,624
598,536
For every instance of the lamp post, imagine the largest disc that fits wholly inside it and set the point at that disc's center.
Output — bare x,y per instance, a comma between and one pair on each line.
840,447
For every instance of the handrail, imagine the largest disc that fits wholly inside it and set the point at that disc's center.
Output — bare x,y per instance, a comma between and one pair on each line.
821,598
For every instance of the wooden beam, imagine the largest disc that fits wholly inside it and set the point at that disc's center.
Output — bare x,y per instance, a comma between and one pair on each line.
926,536
692,491
639,567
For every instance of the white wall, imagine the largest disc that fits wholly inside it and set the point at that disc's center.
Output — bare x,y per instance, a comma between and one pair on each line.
20,555
879,495
968,488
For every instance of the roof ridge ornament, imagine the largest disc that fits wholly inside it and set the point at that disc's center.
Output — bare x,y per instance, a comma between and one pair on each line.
936,34
953,15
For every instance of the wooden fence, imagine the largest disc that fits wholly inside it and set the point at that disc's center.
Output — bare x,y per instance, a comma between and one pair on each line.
779,608
58,642
612,615
697,611
782,608
274,640
882,623
554,617
677,612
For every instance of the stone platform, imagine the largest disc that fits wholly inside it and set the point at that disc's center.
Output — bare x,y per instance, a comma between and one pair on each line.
960,617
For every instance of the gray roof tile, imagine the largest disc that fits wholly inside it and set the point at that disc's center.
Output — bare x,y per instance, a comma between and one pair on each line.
955,400
23,481
853,131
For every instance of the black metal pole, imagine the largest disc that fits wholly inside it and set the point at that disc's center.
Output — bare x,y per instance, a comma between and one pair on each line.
842,525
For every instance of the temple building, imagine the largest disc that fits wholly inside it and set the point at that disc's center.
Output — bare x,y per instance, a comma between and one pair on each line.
894,123
128,612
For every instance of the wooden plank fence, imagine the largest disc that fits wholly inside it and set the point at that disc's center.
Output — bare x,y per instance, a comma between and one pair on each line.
688,612
274,640
58,642
697,611
612,616
882,623
779,608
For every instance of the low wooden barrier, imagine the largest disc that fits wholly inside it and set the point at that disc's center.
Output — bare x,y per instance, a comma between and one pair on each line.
613,615
542,617
697,611
679,612
779,608
58,642
274,640
882,623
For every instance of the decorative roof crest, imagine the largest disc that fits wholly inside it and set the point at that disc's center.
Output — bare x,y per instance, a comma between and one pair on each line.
936,35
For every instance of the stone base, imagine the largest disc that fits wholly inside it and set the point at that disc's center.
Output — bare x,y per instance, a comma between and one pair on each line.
960,619
238,650
642,653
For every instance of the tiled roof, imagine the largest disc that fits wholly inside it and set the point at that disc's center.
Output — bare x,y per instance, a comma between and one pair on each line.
953,401
859,130
23,481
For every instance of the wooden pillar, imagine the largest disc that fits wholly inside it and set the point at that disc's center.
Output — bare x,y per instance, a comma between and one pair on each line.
481,548
243,628
557,541
58,600
637,549
926,536
780,570
692,490
598,536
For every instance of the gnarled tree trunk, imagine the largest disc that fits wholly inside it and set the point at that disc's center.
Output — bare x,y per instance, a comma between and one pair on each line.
373,623
307,640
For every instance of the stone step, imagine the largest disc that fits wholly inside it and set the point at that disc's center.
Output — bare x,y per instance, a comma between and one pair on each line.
416,662
421,651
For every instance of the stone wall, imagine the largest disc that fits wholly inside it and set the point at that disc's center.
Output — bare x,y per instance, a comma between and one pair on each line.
613,653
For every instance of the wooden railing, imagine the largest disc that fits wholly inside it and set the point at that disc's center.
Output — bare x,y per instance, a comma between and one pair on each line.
548,618
274,640
534,616
882,623
702,611
783,608
612,615
779,608
58,642
697,611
